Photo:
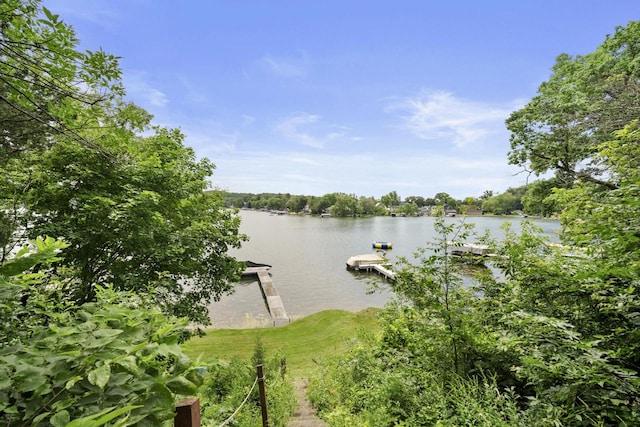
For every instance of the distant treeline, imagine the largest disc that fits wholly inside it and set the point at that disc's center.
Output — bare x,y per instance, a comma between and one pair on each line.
532,199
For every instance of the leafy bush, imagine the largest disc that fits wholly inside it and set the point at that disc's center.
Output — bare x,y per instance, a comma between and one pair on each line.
115,359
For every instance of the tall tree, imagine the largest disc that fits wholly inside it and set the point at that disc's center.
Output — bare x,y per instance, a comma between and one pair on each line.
445,199
140,219
506,202
584,101
537,200
47,87
390,199
418,200
345,205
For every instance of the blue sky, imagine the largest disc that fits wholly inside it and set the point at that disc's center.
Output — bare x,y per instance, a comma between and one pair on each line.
363,97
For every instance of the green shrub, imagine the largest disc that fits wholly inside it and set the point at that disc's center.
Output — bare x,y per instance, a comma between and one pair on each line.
113,360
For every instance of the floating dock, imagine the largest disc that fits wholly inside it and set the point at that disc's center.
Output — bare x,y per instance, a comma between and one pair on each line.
356,262
371,262
278,314
459,249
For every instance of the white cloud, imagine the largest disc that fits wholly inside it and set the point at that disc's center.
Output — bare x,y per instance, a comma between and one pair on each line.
142,92
304,160
289,67
193,92
442,116
291,129
309,130
247,120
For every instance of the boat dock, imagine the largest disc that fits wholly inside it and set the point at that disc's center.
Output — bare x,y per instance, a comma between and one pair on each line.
382,270
371,262
460,249
278,314
274,302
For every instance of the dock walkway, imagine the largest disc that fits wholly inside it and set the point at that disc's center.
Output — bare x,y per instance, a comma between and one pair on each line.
274,302
382,270
272,297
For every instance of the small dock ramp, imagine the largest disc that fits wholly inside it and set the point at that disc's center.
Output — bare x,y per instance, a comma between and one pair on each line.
383,271
274,302
272,297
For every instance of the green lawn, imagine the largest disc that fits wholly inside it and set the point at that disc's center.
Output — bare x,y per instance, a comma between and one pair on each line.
303,341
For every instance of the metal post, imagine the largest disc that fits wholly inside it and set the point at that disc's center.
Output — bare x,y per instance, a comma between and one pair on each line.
263,397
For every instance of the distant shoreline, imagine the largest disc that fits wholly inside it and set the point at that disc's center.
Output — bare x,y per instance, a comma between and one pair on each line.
487,215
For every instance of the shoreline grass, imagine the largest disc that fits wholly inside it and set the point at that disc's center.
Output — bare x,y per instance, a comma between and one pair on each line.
303,342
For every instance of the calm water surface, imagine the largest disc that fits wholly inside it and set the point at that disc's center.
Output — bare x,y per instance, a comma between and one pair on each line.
309,255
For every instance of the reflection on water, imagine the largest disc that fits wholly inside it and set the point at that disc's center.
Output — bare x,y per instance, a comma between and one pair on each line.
309,255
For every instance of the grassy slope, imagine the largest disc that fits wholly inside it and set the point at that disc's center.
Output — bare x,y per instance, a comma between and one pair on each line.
303,341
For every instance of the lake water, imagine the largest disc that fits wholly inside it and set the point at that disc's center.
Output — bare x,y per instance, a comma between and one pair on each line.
308,257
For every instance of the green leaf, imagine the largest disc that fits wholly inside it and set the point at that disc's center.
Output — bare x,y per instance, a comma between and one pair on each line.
60,419
107,333
161,396
181,385
129,363
100,376
102,417
114,414
72,382
165,330
31,379
47,13
98,342
5,382
40,417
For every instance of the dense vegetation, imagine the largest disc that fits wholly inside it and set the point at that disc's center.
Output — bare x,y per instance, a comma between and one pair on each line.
81,163
113,358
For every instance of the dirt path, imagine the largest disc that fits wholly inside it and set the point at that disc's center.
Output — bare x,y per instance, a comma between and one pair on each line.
305,415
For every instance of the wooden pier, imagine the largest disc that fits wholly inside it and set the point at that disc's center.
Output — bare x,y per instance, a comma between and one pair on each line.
278,314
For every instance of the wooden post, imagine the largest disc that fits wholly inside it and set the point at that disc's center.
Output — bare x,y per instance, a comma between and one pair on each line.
283,367
187,413
263,397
